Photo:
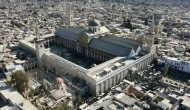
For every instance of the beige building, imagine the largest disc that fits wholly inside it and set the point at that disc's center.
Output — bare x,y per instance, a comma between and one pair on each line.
103,59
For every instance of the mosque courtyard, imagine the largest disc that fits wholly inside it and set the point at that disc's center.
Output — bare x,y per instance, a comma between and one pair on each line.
74,57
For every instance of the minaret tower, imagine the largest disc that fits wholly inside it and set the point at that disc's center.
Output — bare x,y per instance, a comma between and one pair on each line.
40,50
71,23
151,34
36,29
148,47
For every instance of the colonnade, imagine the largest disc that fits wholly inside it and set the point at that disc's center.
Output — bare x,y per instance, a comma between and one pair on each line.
90,52
100,55
30,66
66,44
49,41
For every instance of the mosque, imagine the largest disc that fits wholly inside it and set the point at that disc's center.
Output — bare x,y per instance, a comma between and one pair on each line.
97,58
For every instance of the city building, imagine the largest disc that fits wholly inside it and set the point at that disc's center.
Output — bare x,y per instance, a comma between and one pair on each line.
13,99
177,63
10,69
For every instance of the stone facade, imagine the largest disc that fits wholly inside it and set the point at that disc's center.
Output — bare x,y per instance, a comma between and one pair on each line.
80,44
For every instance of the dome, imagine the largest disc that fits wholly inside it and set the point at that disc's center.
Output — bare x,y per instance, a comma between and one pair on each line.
94,22
59,81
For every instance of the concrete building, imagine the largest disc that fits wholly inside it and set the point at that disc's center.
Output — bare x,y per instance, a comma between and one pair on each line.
115,55
13,99
10,69
178,64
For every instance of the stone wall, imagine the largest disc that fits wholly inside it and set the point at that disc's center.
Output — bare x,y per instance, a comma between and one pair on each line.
63,66
27,46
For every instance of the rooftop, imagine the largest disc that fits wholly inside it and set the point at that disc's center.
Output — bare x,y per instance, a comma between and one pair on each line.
9,93
110,66
125,99
57,95
79,83
33,83
186,103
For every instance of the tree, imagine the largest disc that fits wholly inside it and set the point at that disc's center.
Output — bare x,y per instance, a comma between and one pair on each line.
49,108
165,70
127,77
146,22
20,81
64,106
18,55
31,93
113,7
127,24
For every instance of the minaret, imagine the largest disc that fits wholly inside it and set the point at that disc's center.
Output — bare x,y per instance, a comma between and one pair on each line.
151,34
36,29
40,50
152,26
150,37
71,23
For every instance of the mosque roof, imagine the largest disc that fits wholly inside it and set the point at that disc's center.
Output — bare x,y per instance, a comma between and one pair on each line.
69,33
126,42
110,47
94,22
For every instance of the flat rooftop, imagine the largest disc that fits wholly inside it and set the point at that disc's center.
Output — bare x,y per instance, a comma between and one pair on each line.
111,65
112,68
16,98
125,99
57,95
31,38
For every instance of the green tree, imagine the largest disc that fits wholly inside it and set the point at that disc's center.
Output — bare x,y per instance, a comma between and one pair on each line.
20,81
31,93
64,106
18,55
127,77
146,22
49,108
79,100
165,70
113,7
127,24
